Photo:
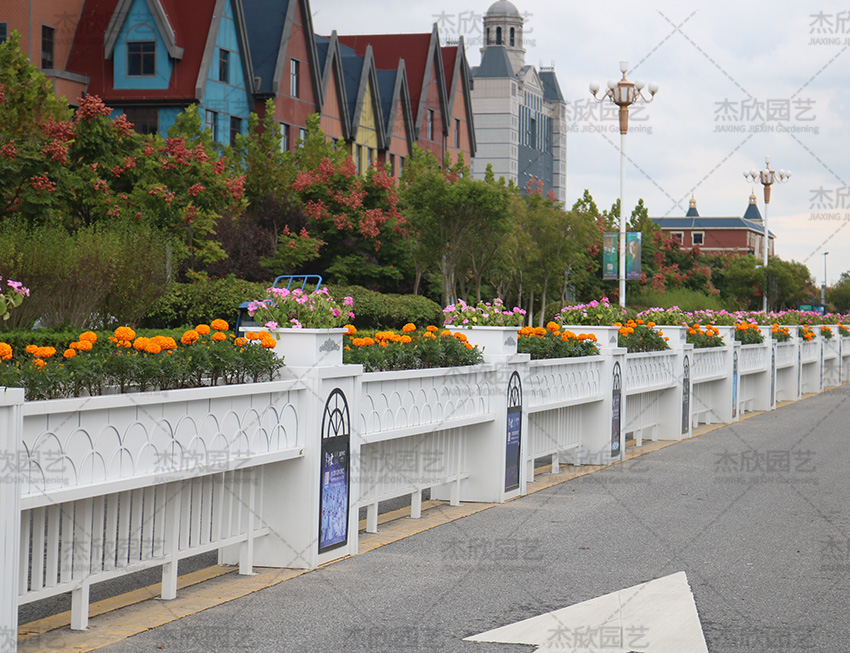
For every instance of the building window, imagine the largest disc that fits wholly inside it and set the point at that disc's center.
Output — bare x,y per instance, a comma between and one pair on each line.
400,165
488,37
512,37
224,66
357,160
678,236
47,34
697,237
284,137
302,136
210,123
430,124
392,165
498,36
4,32
145,119
141,58
235,129
294,85
457,133
532,133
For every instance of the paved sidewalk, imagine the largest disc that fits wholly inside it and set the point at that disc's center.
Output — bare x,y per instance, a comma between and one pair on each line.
754,513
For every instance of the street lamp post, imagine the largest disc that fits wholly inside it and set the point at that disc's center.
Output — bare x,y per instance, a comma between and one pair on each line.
766,178
823,285
623,93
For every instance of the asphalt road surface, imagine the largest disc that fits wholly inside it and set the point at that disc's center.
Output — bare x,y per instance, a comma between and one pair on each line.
756,514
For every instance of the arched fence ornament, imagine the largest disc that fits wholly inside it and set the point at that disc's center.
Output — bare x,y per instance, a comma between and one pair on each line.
335,481
514,433
616,410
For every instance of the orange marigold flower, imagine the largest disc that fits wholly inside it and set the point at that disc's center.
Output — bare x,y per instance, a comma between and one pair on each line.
203,329
406,339
565,337
125,333
240,342
152,347
429,335
368,342
38,363
431,328
469,345
31,349
552,326
45,352
570,334
617,324
446,333
88,336
252,335
650,324
218,336
539,331
692,331
113,339
140,343
407,328
460,336
639,321
268,343
350,329
5,351
219,325
189,337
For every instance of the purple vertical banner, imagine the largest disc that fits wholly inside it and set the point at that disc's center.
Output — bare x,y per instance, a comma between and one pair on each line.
335,482
633,251
514,433
610,262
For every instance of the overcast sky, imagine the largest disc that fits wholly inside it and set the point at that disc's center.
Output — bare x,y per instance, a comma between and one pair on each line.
738,80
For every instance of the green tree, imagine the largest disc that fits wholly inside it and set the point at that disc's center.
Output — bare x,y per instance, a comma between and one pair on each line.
839,294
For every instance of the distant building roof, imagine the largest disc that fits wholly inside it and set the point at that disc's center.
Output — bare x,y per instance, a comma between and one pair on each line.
494,63
264,23
752,212
709,223
551,88
502,8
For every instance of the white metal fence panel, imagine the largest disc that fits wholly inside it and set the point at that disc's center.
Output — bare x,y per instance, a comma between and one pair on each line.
647,372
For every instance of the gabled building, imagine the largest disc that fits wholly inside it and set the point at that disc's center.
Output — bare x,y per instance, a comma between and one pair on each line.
47,29
366,126
720,235
286,64
519,112
461,133
335,121
426,80
399,134
156,57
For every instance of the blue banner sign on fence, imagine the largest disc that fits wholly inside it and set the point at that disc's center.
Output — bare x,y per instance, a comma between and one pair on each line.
514,433
686,395
335,480
616,397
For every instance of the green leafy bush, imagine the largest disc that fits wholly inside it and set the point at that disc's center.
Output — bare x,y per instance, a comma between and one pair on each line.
186,304
374,310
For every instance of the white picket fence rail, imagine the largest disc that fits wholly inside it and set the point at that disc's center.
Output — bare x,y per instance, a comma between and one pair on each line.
105,486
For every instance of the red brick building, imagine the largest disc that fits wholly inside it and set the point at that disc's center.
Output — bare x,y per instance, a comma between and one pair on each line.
720,235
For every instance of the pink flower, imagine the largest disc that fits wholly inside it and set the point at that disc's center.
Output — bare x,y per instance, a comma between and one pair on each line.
348,301
351,315
271,325
296,324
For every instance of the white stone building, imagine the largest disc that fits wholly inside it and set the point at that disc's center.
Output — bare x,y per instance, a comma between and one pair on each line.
519,112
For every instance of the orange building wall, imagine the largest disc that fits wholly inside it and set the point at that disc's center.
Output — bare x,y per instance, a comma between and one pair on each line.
432,101
458,113
331,120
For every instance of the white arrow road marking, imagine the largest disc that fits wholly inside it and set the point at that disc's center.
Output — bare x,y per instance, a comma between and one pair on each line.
659,616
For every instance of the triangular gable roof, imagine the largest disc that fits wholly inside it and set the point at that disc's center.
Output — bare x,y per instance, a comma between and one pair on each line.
358,71
329,58
190,24
421,55
551,88
209,48
163,26
392,90
707,222
495,63
272,23
457,72
528,76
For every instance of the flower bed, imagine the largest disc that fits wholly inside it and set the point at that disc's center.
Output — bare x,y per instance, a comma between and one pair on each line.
493,313
283,308
412,349
701,337
637,336
205,355
596,313
551,342
826,332
780,334
748,333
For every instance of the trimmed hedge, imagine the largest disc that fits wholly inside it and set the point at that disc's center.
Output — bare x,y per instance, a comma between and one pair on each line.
374,310
188,304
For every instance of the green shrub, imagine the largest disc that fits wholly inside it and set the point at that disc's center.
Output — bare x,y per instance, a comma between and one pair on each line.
374,310
686,300
187,304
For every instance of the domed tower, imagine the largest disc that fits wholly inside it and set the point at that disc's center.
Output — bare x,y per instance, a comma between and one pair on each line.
503,26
